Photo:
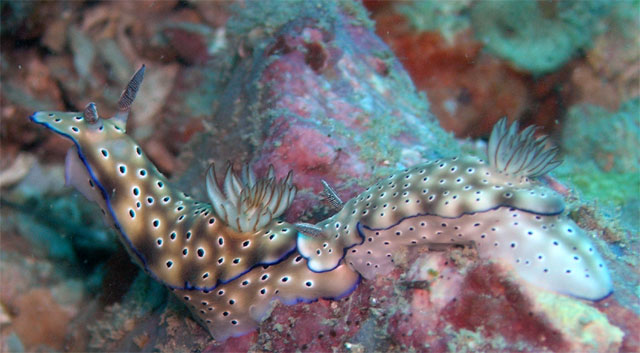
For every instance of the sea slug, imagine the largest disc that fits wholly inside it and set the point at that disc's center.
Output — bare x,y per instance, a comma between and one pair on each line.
231,259
214,256
497,205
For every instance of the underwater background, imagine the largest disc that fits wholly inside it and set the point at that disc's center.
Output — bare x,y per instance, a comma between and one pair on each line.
341,91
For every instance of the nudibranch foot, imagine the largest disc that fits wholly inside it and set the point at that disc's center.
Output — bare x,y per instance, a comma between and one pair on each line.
236,308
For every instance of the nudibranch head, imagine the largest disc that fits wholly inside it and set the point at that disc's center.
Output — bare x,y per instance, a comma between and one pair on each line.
86,126
79,126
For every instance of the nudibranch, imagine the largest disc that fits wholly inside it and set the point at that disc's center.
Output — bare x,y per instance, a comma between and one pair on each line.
228,259
496,205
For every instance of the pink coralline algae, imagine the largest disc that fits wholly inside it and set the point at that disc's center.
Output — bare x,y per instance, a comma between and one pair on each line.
326,100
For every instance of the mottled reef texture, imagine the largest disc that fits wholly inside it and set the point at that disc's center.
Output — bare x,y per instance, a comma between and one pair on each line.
321,95
306,86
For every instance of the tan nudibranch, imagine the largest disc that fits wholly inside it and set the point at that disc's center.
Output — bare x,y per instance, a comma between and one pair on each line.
228,260
496,205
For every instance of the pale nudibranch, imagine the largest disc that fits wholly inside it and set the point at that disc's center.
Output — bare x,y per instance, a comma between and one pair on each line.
228,259
496,205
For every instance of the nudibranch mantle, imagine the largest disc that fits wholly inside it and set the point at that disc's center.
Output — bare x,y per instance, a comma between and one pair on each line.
448,188
497,205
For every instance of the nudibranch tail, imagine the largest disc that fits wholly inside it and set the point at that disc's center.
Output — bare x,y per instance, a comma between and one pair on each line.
520,153
550,251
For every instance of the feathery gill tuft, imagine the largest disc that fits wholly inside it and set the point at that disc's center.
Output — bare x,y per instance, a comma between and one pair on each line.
248,205
520,153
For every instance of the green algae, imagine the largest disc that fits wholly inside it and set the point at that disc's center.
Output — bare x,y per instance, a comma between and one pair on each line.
538,36
594,184
611,140
624,19
60,224
258,20
602,153
446,17
146,292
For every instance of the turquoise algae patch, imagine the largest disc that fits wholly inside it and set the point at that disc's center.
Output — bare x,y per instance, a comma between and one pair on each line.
537,36
602,153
